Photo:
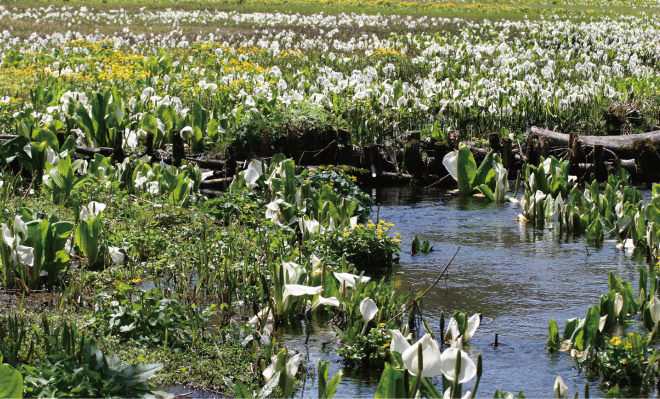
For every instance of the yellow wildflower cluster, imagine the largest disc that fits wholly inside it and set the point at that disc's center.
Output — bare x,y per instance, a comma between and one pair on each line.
387,51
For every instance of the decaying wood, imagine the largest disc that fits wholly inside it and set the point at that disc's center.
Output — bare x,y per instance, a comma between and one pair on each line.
622,146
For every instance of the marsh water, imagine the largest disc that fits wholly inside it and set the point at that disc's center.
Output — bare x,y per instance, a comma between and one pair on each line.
518,277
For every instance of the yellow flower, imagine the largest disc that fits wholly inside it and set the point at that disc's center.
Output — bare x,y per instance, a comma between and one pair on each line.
628,345
616,341
346,234
624,361
387,345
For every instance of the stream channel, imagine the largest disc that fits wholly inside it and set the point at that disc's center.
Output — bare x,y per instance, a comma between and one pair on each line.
518,277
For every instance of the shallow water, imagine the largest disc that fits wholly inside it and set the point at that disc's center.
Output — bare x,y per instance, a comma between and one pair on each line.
516,276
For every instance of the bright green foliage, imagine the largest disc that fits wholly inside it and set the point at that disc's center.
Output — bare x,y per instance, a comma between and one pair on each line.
11,382
96,376
327,388
88,238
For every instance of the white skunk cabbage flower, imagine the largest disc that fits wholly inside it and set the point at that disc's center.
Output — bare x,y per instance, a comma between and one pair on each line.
270,370
368,308
468,368
272,211
292,365
254,170
19,228
618,304
454,334
399,342
291,272
153,187
432,358
92,210
602,322
23,255
313,226
300,290
560,390
450,161
447,394
117,256
501,182
350,279
654,308
256,319
332,301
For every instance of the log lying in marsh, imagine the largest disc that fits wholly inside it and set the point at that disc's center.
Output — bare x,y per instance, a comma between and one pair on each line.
625,147
216,184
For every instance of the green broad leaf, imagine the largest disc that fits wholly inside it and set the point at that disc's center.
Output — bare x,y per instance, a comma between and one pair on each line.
47,136
331,388
590,329
149,123
391,384
270,385
93,356
553,337
86,124
648,319
569,329
613,392
14,148
11,382
396,360
197,140
212,130
466,171
139,373
242,391
482,175
416,245
323,377
485,190
428,390
595,231
56,177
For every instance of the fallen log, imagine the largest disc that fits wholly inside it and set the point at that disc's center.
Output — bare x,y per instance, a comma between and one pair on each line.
624,147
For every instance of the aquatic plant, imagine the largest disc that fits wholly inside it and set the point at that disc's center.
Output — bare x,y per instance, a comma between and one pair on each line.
489,177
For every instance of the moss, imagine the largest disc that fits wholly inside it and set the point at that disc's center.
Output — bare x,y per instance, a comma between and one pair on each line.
206,367
351,170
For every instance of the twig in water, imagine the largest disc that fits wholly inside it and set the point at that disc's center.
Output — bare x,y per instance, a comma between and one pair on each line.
438,182
428,289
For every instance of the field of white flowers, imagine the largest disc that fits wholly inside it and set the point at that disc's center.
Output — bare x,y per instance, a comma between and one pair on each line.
475,77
